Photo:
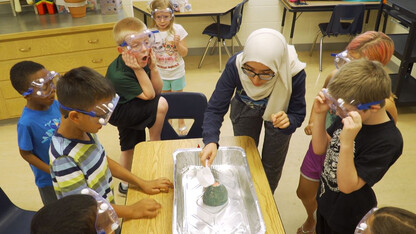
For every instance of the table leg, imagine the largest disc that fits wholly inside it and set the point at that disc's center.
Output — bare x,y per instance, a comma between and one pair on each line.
144,19
380,11
219,39
292,29
283,20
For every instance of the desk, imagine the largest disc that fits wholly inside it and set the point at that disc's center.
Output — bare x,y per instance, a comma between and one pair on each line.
318,6
154,159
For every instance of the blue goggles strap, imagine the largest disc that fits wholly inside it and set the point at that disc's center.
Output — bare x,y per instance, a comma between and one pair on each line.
28,92
90,113
367,106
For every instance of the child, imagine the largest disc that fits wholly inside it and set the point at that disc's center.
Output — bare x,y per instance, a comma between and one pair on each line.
170,48
138,83
372,45
361,144
39,120
78,160
85,213
268,83
387,220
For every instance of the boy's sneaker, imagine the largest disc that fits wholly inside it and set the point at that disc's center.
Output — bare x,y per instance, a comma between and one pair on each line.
122,189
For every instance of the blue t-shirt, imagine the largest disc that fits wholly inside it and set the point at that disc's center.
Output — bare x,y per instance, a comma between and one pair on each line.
34,132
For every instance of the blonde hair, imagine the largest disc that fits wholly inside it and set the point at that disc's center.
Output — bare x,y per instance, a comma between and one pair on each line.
126,27
361,81
161,5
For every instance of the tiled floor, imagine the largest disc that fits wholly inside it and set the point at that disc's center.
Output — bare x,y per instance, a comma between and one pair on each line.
397,188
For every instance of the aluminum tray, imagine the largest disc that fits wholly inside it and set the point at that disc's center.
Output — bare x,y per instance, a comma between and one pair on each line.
241,213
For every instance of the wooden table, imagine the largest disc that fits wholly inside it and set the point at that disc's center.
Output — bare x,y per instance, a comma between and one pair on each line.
318,6
154,159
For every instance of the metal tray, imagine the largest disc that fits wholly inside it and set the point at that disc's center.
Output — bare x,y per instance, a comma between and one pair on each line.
241,213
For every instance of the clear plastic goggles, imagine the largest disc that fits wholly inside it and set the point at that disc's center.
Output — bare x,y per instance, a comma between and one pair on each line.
43,87
362,225
107,219
102,111
341,59
159,18
337,105
251,73
135,42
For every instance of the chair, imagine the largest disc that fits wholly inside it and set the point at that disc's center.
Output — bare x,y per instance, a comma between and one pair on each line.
225,32
345,20
12,218
184,105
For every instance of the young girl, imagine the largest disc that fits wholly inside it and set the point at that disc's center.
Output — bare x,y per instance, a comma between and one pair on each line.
169,49
373,46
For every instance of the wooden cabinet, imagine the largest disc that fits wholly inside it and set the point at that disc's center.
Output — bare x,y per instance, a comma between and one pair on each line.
59,49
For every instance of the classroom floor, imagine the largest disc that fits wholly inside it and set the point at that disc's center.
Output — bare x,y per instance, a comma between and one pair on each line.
397,188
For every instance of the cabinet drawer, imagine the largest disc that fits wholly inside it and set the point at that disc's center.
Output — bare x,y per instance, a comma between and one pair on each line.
38,46
7,90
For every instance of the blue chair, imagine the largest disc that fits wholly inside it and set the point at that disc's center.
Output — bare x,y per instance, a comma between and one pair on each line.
184,105
13,219
225,32
345,20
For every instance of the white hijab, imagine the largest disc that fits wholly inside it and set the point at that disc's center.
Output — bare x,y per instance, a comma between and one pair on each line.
269,47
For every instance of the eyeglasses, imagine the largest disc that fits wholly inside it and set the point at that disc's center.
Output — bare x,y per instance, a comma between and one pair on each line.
261,76
337,105
43,87
341,59
159,18
106,220
362,225
135,42
102,111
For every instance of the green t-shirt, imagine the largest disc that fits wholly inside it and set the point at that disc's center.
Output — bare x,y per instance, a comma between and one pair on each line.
124,80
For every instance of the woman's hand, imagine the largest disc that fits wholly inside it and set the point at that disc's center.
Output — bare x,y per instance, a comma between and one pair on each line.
280,120
208,152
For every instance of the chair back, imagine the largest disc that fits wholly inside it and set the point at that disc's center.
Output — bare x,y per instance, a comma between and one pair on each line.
12,218
346,19
184,105
237,18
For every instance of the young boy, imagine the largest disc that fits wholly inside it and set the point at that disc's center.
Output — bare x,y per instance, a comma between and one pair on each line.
39,120
361,144
138,83
77,159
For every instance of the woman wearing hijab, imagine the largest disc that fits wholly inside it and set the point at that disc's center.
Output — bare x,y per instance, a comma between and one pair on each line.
269,85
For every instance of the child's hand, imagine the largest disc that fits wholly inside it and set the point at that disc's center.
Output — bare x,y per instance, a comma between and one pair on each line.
130,61
320,106
308,129
208,152
152,60
176,40
280,120
156,186
145,208
352,125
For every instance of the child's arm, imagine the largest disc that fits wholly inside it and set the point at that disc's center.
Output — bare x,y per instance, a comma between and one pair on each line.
347,177
145,208
320,137
148,186
35,161
180,45
148,93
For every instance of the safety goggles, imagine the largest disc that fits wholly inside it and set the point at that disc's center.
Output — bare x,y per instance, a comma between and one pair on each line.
362,225
251,73
159,17
135,42
43,87
341,59
107,219
102,111
337,105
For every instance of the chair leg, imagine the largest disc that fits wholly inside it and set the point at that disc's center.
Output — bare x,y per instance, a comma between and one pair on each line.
12,5
232,45
238,41
219,52
226,49
205,52
313,45
214,46
320,54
